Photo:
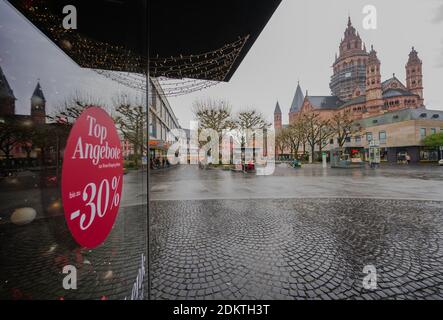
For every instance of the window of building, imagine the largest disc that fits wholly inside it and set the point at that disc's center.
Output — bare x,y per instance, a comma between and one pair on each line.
428,154
369,136
357,139
152,125
382,136
422,133
433,131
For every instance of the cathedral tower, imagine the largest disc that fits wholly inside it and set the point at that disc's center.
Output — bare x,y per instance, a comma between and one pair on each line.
374,93
297,102
414,75
349,66
38,106
7,98
277,117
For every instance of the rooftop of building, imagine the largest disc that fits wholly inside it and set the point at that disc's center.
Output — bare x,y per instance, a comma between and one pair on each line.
402,115
297,102
277,109
5,88
38,92
325,102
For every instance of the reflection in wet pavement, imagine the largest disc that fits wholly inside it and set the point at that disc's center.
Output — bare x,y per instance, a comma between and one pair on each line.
311,181
300,234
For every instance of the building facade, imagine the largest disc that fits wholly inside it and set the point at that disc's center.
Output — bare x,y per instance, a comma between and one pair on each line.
357,87
398,133
389,112
13,145
161,121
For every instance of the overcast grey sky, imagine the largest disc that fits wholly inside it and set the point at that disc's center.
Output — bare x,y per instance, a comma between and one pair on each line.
26,55
299,43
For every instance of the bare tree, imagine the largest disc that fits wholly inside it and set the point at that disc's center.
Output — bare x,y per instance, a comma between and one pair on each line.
282,141
342,127
131,122
247,121
215,115
8,136
70,109
325,134
296,136
314,128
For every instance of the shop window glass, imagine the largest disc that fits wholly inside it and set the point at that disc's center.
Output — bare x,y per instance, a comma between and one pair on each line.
45,105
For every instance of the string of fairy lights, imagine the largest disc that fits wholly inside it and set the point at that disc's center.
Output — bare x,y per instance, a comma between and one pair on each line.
170,88
177,76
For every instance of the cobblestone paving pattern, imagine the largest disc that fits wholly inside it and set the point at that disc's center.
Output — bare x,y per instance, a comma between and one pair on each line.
32,258
296,249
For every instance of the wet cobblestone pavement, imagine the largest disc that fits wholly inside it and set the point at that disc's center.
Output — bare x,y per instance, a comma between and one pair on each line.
296,249
33,257
299,234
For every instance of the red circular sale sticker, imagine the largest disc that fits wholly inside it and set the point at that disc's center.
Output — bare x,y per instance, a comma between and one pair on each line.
92,177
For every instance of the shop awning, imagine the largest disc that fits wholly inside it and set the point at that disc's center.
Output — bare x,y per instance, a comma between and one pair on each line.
198,39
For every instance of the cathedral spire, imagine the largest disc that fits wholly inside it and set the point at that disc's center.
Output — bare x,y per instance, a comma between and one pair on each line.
298,100
7,98
278,117
277,109
38,92
5,88
414,74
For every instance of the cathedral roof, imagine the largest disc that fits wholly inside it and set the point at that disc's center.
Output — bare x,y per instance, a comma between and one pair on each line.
357,100
298,100
38,92
390,93
325,102
392,83
373,56
277,109
5,89
413,57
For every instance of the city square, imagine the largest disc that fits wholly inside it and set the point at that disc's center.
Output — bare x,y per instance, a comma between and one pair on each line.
298,234
221,151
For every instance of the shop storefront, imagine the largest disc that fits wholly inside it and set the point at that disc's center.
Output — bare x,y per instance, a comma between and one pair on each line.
77,116
429,154
356,155
73,218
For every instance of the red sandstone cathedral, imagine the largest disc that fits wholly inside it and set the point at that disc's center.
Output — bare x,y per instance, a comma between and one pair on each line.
356,85
7,103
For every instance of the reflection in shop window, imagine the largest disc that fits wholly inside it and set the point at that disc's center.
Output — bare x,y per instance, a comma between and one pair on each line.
429,154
